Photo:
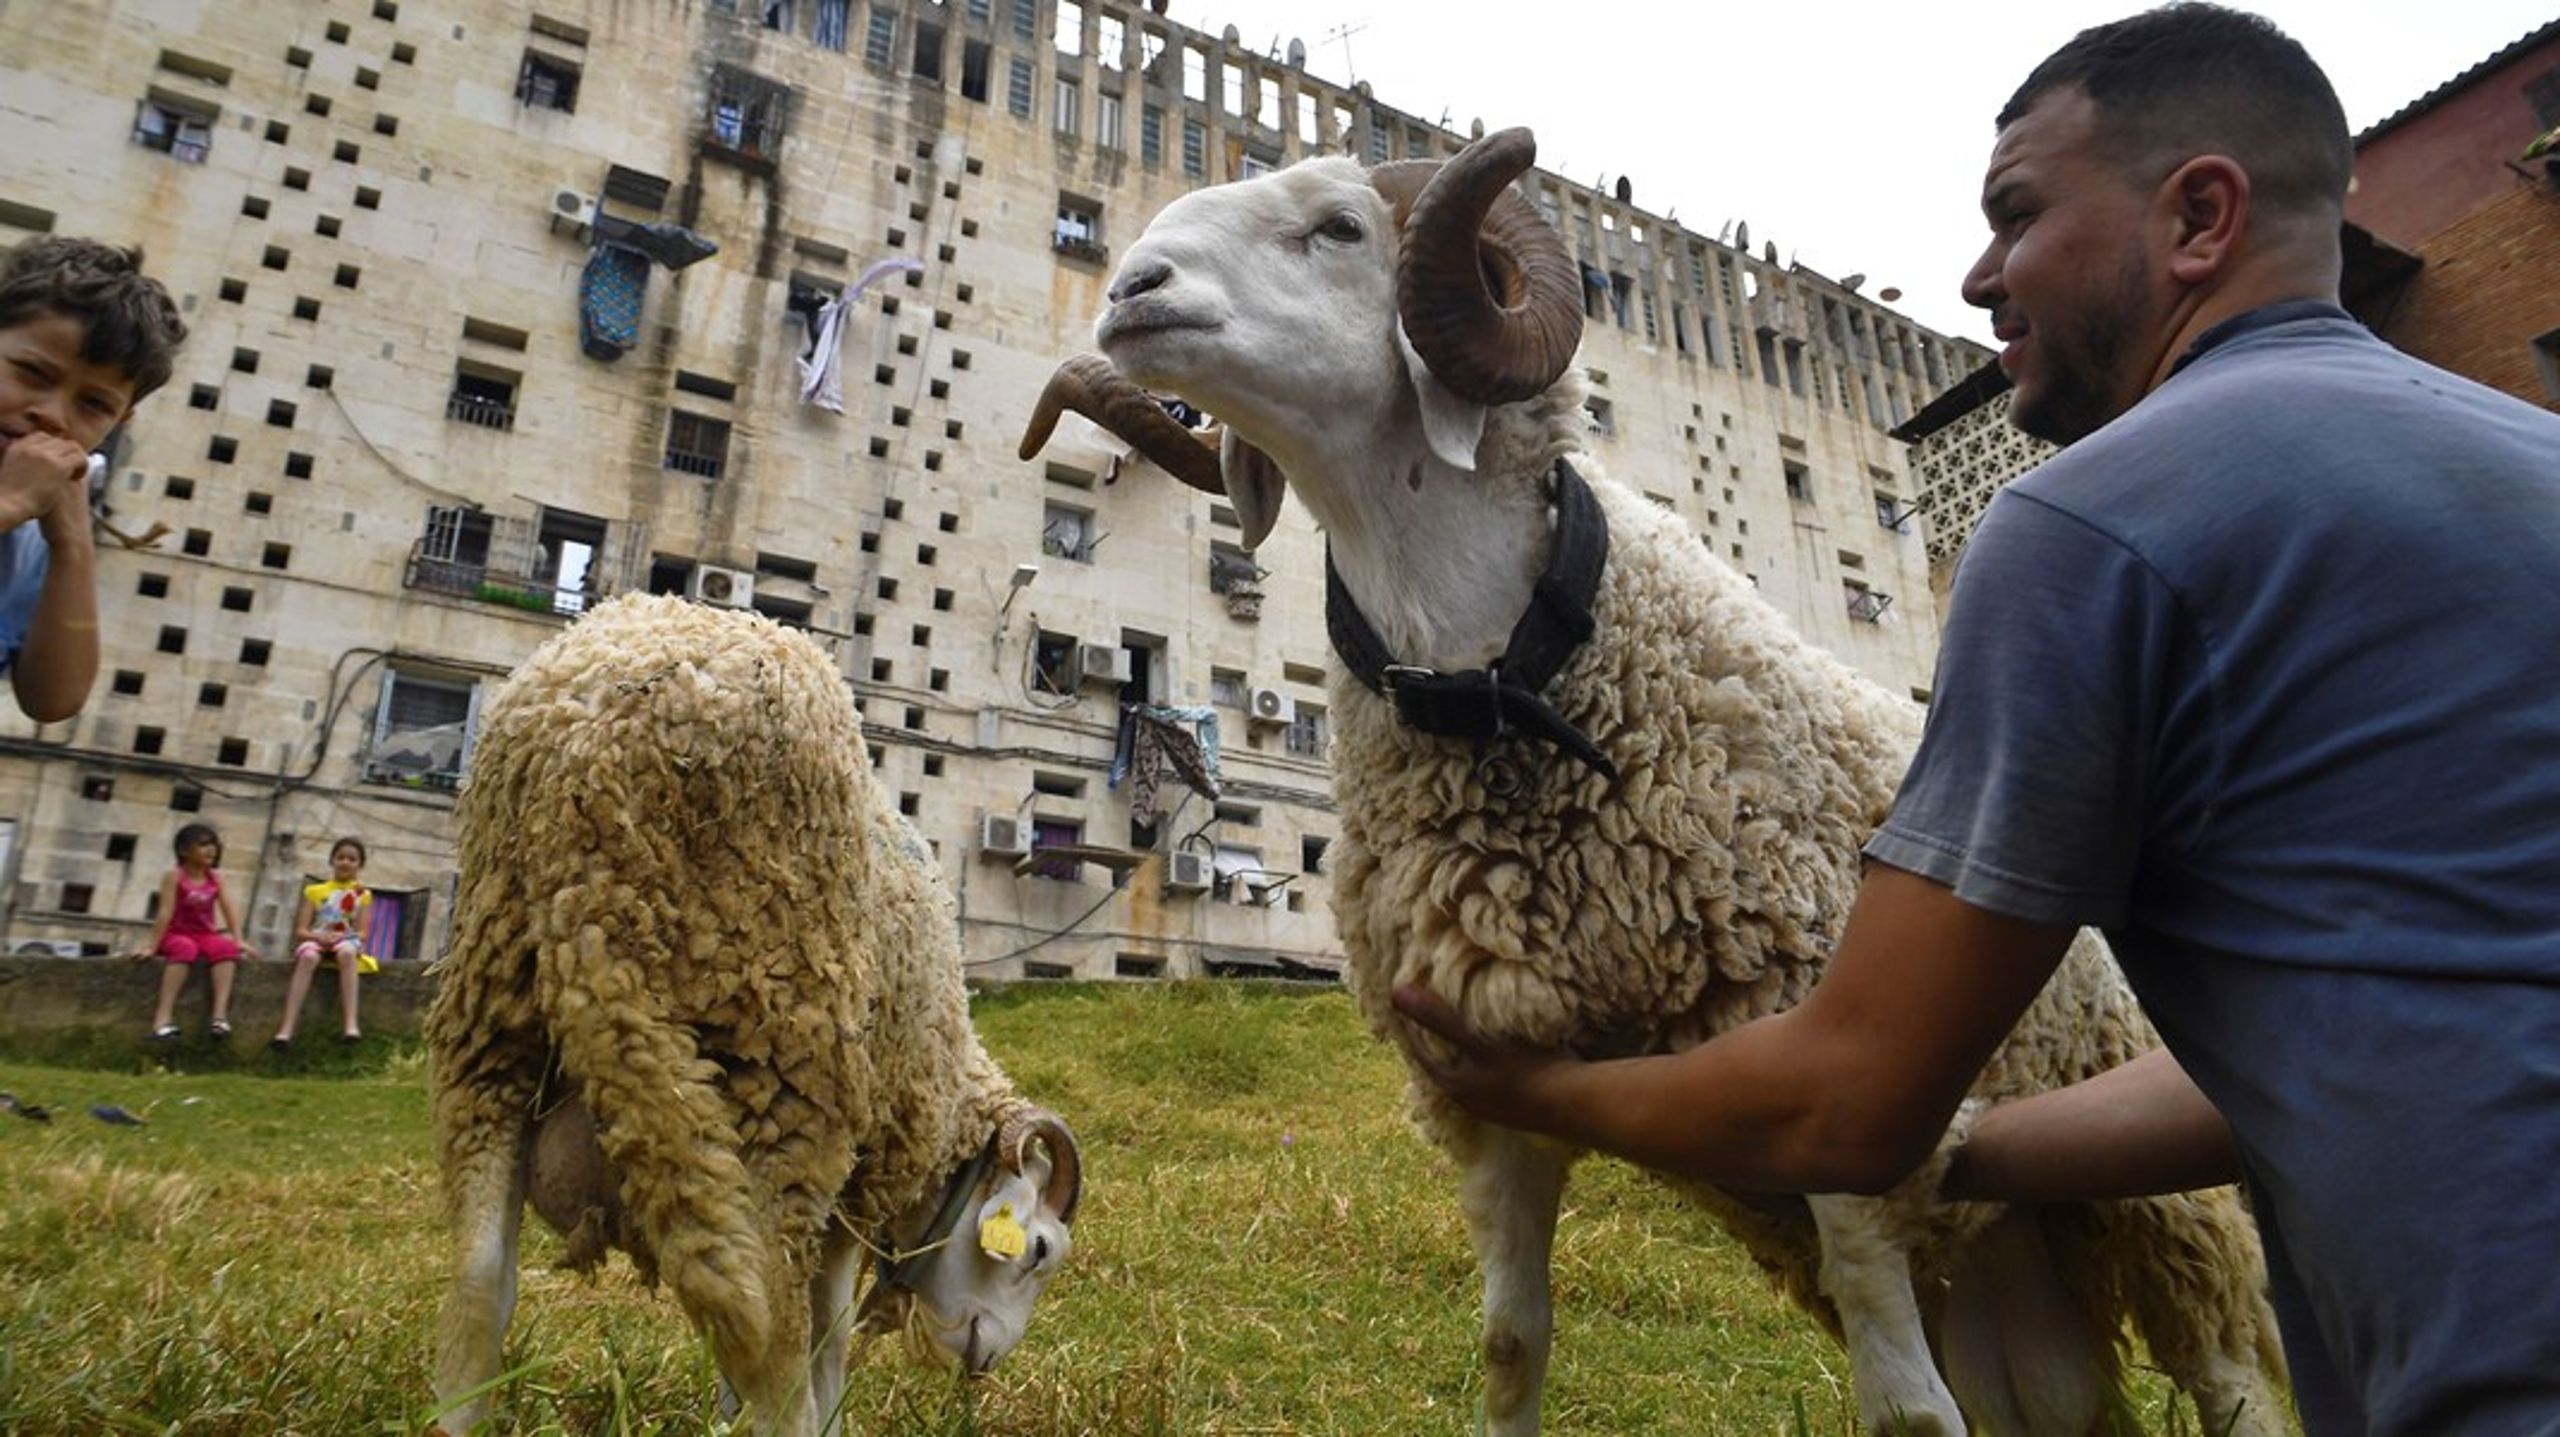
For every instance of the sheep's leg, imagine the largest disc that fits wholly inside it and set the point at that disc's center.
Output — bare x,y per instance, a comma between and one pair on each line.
2192,1268
1867,1275
486,1189
2021,1348
831,1321
1510,1188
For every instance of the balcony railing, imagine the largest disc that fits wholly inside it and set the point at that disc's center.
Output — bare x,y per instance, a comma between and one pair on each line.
705,466
1092,251
1867,606
481,411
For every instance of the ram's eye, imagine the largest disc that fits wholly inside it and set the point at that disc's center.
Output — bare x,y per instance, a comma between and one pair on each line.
1344,228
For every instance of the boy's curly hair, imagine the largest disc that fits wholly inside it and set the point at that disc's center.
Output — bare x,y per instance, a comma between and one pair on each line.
129,319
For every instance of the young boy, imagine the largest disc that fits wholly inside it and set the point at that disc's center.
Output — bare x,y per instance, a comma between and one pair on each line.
83,336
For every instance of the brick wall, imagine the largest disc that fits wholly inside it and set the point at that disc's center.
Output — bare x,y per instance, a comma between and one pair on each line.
2486,292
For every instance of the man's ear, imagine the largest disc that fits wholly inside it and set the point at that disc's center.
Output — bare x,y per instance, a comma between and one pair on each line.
1254,485
2209,213
1452,426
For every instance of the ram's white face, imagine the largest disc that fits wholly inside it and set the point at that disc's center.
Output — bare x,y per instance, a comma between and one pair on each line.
973,1295
1269,302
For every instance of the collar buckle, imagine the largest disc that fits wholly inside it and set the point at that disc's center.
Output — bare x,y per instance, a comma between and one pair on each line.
1393,674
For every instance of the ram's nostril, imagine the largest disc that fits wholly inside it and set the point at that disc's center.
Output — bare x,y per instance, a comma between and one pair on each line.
1140,278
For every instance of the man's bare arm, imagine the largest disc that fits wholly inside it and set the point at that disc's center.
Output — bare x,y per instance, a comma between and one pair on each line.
1848,1091
2135,1131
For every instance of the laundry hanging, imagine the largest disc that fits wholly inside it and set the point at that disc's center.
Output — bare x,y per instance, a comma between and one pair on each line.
822,363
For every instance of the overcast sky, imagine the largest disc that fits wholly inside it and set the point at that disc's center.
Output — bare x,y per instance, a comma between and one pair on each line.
1852,135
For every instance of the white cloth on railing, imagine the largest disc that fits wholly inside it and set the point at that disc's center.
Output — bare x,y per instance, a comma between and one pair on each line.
822,365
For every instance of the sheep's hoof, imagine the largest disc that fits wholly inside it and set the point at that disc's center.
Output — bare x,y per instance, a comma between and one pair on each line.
1899,1423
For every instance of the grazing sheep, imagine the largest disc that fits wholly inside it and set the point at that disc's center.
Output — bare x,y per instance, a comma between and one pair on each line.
1598,794
704,1004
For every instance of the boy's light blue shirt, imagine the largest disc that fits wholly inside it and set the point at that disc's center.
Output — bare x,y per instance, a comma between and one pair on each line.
23,561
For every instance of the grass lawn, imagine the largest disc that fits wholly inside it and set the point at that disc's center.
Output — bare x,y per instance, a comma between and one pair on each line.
1265,1248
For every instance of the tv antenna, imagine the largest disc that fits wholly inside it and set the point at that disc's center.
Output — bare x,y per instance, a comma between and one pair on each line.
1343,33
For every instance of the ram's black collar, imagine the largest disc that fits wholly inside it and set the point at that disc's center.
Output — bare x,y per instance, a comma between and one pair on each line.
1484,704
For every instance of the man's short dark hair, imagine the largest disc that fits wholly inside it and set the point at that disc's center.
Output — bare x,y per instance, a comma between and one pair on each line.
2195,79
126,316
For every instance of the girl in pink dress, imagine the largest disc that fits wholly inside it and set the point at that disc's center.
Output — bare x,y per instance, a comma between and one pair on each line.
197,927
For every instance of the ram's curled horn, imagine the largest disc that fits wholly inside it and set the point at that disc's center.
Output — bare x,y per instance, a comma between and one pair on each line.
1489,297
1066,1171
1089,385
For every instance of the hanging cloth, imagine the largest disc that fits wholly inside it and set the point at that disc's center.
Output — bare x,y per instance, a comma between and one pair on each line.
609,295
822,365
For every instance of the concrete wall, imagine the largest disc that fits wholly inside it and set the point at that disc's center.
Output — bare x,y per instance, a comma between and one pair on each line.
374,219
42,997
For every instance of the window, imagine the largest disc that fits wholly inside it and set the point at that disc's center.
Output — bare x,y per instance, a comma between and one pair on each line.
1891,514
1306,733
697,443
833,24
1106,121
1066,113
777,15
546,83
1603,418
1053,663
880,41
178,128
928,57
1078,234
1866,606
1231,569
2546,357
1067,533
1026,19
1799,482
1227,688
1070,32
1056,833
1195,149
483,396
975,56
422,727
1017,94
746,113
566,548
1151,134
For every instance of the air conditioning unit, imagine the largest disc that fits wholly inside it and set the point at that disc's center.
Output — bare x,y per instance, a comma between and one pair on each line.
1270,706
1002,835
1102,664
49,948
1187,872
723,588
573,211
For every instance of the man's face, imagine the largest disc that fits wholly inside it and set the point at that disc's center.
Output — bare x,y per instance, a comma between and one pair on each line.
2066,276
47,388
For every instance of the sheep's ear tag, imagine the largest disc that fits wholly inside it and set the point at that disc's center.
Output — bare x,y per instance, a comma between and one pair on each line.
1000,1234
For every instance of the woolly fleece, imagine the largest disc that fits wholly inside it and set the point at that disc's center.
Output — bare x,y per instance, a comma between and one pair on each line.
1706,886
683,899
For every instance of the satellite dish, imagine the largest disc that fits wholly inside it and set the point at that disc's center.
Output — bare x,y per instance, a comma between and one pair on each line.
1626,191
1742,235
1297,53
1888,294
1475,128
1769,252
1232,36
1852,282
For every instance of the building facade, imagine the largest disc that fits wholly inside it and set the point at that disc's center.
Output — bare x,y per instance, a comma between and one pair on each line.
2465,181
460,368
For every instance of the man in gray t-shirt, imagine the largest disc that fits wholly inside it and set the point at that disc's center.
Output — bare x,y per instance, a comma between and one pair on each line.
2262,675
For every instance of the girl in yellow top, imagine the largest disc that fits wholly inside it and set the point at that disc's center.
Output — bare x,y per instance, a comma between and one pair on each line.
330,925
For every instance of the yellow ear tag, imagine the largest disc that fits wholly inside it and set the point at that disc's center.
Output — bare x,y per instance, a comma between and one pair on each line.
1000,1236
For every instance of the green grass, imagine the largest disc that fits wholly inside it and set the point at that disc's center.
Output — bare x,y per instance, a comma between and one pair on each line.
1265,1249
